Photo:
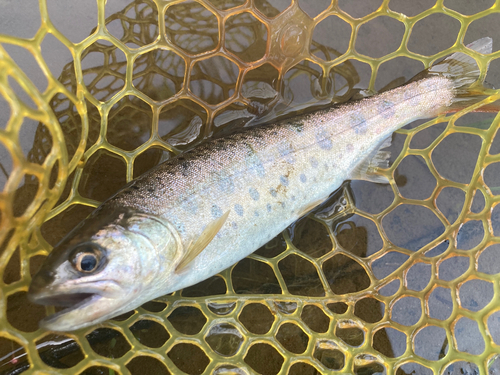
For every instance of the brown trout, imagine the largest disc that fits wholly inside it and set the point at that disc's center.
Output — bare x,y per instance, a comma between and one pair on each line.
201,212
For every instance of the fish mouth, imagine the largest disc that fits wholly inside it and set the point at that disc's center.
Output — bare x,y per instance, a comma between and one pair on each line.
67,300
71,301
83,304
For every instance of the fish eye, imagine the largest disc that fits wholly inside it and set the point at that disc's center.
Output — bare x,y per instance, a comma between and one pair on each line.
86,258
87,262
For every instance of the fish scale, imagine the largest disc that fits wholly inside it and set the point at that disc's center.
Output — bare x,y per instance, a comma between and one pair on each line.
264,166
195,215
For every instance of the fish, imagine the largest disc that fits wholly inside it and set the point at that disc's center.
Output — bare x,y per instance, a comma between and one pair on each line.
197,214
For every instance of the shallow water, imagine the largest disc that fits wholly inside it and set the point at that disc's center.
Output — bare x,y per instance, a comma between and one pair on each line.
164,118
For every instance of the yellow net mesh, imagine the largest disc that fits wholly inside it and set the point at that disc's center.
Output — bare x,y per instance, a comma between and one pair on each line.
399,279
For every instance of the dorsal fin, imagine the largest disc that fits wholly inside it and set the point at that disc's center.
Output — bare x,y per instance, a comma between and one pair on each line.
196,247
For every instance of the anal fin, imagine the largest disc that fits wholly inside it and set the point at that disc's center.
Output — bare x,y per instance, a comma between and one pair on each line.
377,159
196,247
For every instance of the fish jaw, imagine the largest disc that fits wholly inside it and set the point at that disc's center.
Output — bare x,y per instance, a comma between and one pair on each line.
89,311
78,316
86,304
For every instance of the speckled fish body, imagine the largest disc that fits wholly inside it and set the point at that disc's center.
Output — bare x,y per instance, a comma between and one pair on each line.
259,181
267,177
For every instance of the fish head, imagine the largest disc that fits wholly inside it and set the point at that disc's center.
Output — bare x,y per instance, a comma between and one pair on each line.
109,264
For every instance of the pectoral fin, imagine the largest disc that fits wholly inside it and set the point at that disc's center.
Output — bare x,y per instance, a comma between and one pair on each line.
196,247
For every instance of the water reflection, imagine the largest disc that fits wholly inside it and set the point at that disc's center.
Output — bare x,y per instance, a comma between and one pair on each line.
187,88
225,339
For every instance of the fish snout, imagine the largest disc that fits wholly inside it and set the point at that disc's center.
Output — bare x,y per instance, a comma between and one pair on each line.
39,283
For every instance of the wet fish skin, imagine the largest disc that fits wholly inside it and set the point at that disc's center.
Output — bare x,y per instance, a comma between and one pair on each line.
265,178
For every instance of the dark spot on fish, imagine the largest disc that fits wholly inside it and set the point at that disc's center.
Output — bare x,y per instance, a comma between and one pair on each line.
324,140
184,166
235,225
358,123
190,205
256,213
386,109
314,162
253,162
326,167
411,97
286,151
219,145
284,180
303,178
178,225
297,126
254,194
350,147
283,205
123,193
273,192
293,198
151,190
133,187
216,211
238,208
226,185
269,208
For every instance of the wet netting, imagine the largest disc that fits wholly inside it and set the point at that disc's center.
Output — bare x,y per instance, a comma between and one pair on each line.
396,279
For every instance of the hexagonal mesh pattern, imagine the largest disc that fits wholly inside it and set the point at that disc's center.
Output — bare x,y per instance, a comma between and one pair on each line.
397,279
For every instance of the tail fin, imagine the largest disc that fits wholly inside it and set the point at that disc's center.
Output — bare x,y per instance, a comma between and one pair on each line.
463,69
464,73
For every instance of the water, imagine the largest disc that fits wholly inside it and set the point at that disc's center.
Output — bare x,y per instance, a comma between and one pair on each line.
170,113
